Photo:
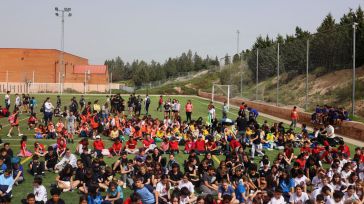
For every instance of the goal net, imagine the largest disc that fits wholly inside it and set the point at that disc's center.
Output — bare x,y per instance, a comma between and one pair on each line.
221,93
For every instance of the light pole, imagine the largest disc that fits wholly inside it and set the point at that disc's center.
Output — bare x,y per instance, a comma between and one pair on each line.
61,13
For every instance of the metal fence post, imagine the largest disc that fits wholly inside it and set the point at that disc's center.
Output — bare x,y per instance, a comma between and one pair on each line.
7,80
277,74
257,79
354,53
307,65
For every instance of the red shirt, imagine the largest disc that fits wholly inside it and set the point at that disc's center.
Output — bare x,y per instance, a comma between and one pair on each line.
294,115
173,145
188,108
200,145
234,144
211,145
131,144
147,143
302,163
98,145
189,145
305,149
117,146
344,149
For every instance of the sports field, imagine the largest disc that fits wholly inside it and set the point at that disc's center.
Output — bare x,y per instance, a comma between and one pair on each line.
20,191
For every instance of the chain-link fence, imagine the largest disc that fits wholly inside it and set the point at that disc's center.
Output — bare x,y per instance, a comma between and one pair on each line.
306,70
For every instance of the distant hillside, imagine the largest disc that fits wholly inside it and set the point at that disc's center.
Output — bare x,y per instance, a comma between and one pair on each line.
332,89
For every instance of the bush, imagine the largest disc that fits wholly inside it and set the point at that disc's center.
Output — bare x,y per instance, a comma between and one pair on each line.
320,71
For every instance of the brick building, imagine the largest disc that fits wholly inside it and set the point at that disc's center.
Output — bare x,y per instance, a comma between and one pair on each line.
39,66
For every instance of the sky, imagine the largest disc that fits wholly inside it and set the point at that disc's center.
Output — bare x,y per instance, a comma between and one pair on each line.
158,29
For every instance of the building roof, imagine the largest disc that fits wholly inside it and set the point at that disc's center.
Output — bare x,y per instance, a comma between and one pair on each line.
94,69
40,49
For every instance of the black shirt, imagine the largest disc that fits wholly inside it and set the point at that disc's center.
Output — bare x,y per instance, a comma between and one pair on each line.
175,177
50,201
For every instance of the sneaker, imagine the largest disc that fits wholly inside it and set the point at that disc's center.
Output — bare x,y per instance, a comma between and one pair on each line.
9,135
20,135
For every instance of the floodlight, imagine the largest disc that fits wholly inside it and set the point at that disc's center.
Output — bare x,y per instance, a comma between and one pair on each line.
70,14
57,14
56,8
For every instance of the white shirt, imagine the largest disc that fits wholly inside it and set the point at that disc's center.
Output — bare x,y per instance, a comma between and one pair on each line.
352,197
40,193
161,189
277,201
330,131
332,201
17,101
300,181
295,199
71,160
48,107
7,98
188,185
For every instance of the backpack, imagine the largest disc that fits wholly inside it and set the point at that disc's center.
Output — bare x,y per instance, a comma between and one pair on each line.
147,101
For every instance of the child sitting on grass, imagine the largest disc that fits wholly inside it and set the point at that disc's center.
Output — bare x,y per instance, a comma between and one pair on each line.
32,121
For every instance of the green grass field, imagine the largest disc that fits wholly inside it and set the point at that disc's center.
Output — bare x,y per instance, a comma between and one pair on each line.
19,192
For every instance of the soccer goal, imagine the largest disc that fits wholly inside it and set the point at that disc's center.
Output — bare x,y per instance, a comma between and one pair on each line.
221,92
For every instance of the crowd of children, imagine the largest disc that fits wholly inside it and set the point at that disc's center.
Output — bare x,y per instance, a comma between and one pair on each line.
145,156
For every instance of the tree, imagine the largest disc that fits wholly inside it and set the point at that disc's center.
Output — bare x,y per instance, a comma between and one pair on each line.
236,59
227,59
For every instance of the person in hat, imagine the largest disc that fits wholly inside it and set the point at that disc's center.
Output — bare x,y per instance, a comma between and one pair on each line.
99,145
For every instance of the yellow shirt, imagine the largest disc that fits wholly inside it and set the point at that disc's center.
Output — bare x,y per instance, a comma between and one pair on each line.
160,134
97,107
248,132
270,137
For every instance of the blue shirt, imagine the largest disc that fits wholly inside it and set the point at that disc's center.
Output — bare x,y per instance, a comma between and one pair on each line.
146,196
240,190
94,200
286,186
113,194
3,167
7,181
228,191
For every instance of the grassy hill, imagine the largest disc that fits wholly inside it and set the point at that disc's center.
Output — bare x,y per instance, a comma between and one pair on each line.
334,88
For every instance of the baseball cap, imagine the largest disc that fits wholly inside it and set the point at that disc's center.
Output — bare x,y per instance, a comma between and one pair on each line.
98,137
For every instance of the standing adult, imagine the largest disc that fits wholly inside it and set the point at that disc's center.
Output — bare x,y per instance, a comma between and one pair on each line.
160,103
48,110
189,108
294,117
17,101
7,100
225,109
211,114
147,103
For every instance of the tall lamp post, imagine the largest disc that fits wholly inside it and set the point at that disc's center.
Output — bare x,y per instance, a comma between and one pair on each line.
61,13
